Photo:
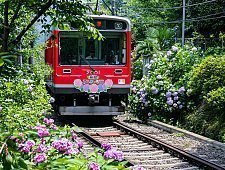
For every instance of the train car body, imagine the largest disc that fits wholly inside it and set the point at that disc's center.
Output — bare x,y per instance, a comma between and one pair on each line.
91,77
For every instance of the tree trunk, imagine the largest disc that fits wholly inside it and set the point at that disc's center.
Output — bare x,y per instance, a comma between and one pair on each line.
6,26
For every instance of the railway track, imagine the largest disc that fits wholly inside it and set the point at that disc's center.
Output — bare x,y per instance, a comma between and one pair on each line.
140,149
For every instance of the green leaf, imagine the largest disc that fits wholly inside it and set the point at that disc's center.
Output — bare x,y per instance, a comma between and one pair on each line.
1,62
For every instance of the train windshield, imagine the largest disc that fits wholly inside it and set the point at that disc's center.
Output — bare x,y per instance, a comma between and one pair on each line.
77,49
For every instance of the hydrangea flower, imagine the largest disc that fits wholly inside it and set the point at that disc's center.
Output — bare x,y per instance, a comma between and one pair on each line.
93,166
159,77
174,48
71,151
169,102
160,83
154,90
113,154
175,105
41,148
181,90
40,158
48,121
106,146
169,53
175,94
194,49
62,145
25,82
30,88
176,98
43,132
79,144
168,94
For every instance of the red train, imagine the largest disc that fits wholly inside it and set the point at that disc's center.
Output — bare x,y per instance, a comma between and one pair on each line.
91,77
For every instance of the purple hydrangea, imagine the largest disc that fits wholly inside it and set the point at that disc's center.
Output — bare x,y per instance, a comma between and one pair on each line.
43,132
48,121
73,134
174,48
26,82
54,127
93,166
168,94
181,90
41,148
169,53
175,105
40,158
113,154
176,98
79,144
175,94
62,145
106,146
30,88
71,151
154,90
169,102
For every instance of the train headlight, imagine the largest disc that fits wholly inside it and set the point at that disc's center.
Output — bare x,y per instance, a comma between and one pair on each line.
118,25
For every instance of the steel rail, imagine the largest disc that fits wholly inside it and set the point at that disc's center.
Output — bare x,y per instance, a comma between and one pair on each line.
169,148
98,144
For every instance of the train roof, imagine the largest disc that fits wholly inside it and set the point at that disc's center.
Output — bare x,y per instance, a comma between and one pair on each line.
109,17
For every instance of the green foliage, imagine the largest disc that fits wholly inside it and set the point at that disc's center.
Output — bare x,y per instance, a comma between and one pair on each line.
138,69
207,76
23,96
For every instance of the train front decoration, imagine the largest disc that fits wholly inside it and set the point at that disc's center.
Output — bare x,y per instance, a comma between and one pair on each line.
91,77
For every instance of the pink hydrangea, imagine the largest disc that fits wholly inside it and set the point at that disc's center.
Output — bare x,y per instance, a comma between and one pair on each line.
42,132
41,148
40,158
62,145
114,154
93,166
106,146
71,151
79,144
48,121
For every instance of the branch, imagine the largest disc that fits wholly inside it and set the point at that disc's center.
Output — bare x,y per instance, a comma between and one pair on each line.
15,14
43,9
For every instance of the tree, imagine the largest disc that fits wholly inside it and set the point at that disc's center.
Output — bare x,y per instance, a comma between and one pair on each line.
20,15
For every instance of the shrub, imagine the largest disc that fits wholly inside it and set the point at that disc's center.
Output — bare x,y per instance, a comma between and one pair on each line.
207,95
207,76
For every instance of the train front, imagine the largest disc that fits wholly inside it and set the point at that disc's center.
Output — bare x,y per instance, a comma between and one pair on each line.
91,77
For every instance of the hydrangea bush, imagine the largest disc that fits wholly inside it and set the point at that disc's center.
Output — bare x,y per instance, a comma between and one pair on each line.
46,146
163,90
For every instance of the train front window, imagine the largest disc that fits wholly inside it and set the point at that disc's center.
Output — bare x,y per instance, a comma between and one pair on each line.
110,51
69,48
79,50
